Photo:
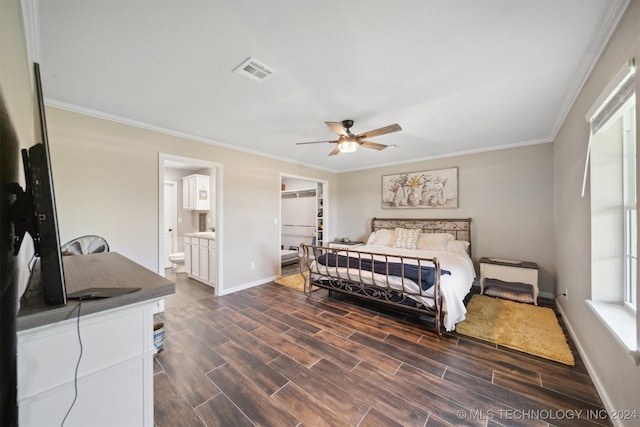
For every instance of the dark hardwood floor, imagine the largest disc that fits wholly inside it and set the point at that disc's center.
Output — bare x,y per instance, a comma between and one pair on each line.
267,356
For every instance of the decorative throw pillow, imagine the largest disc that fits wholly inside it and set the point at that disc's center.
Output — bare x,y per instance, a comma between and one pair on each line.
385,237
458,246
407,238
434,241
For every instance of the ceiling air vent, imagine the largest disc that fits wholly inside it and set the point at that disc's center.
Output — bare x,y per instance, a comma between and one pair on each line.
254,70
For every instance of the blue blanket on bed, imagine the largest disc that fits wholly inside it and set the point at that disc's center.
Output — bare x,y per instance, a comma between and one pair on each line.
425,274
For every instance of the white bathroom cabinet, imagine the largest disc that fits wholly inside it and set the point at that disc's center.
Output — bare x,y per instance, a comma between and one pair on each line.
200,257
196,192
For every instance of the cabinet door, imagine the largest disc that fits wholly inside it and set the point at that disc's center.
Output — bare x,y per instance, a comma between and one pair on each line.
185,193
202,193
204,260
195,257
192,192
187,254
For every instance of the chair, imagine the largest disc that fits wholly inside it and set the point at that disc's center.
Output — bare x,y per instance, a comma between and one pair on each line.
85,245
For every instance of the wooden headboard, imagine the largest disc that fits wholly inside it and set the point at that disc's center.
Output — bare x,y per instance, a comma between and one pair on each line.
460,228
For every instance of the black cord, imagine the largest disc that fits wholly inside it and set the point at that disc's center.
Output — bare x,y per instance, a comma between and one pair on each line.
75,376
32,262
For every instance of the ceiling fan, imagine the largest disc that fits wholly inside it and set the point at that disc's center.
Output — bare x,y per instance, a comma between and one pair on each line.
348,142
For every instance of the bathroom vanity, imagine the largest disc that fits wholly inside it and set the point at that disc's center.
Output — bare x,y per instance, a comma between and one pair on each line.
200,259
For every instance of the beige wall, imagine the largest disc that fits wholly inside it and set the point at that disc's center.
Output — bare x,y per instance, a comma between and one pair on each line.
507,194
106,180
18,98
613,371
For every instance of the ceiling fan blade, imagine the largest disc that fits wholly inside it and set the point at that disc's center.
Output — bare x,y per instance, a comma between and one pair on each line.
335,151
337,128
373,145
313,142
382,131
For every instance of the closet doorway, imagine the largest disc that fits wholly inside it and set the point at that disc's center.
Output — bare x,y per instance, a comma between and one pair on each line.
303,215
190,221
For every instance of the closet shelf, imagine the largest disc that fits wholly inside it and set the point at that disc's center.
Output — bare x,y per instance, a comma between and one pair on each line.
303,192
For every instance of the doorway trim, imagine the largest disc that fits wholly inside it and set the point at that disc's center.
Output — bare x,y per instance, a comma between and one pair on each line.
219,221
326,207
174,221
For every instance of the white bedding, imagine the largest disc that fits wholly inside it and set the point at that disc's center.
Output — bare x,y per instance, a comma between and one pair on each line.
453,288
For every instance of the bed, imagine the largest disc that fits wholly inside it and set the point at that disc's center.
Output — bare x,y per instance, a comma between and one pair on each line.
421,266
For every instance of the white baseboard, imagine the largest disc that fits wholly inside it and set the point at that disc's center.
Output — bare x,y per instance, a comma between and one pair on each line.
602,392
244,286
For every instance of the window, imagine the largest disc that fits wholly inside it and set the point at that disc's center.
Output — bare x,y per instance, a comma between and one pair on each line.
630,212
614,242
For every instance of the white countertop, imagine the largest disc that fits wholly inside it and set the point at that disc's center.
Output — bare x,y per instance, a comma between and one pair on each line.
202,235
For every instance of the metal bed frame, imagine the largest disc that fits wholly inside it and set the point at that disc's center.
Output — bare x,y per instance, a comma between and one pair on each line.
353,283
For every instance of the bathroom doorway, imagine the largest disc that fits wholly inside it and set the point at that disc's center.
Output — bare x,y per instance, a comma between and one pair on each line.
190,222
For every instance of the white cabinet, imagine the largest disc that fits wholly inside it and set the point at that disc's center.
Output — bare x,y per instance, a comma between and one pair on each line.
196,192
117,367
112,339
200,259
194,271
203,251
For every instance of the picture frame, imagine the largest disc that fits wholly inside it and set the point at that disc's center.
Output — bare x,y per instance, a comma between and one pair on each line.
433,189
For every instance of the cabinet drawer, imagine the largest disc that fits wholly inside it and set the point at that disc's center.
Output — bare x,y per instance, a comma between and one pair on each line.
108,338
212,244
187,240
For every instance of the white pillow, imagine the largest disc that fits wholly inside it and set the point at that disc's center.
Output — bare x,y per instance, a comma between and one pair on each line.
407,238
372,238
434,241
458,246
385,237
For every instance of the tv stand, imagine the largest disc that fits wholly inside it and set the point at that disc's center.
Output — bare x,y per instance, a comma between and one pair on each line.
115,377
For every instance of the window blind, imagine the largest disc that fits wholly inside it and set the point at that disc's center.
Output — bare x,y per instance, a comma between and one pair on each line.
610,108
617,93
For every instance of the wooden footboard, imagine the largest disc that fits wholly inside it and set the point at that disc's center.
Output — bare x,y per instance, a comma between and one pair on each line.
402,282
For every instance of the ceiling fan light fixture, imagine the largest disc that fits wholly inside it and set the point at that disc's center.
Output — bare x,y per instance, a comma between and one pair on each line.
348,142
347,146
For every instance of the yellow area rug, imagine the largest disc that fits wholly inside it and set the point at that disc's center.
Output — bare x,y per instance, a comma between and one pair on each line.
524,327
295,281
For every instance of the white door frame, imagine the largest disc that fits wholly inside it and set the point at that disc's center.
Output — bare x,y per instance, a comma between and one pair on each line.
217,167
174,222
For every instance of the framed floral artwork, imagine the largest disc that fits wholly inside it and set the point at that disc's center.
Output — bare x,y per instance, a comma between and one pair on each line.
436,189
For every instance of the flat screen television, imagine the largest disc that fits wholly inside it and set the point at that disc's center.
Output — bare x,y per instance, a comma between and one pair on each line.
34,210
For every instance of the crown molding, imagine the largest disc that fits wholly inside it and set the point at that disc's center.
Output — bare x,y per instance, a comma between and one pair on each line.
31,23
615,12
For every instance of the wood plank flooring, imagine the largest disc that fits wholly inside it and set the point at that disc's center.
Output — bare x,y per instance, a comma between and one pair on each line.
267,356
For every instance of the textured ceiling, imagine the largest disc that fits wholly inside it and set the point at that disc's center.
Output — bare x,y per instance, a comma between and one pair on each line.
458,76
